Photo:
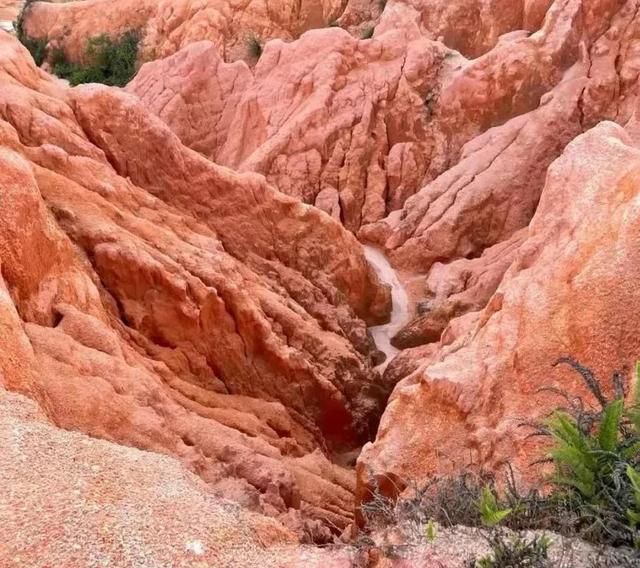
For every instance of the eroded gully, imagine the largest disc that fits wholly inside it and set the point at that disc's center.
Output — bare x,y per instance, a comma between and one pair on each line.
382,334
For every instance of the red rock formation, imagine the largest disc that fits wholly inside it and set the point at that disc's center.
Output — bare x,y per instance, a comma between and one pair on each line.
473,27
357,127
454,289
169,25
228,315
561,296
466,228
318,117
492,190
160,301
9,10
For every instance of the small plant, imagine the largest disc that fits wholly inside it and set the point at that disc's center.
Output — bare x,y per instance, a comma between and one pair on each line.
507,550
37,46
514,551
254,46
490,512
109,61
596,455
430,531
594,489
367,33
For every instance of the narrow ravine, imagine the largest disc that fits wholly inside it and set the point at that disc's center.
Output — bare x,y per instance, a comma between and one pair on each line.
382,334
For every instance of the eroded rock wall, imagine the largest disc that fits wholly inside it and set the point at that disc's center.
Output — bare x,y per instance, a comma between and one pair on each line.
155,299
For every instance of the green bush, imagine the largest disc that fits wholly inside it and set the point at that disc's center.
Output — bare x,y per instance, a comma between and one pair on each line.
36,46
592,494
108,61
596,455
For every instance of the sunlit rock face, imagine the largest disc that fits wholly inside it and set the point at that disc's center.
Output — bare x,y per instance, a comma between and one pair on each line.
153,298
200,289
465,404
514,239
169,25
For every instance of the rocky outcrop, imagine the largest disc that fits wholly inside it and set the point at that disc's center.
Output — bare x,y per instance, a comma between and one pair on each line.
475,375
468,214
8,11
318,117
228,315
464,405
170,25
455,289
357,127
155,299
353,126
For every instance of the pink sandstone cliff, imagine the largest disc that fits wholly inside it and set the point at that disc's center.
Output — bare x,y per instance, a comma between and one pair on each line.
182,269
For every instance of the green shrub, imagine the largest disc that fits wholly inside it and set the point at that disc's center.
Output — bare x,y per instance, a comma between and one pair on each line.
596,455
108,61
491,513
36,46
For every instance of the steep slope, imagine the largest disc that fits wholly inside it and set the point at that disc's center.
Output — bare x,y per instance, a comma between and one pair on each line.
104,503
160,301
460,138
169,25
563,295
357,127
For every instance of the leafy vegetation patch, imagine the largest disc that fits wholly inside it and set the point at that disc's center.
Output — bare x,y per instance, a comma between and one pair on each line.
108,61
36,46
595,485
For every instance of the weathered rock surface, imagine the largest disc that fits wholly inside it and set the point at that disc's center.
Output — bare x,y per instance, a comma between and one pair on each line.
357,127
155,299
194,310
561,296
354,126
9,10
318,117
454,289
169,25
472,224
490,190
